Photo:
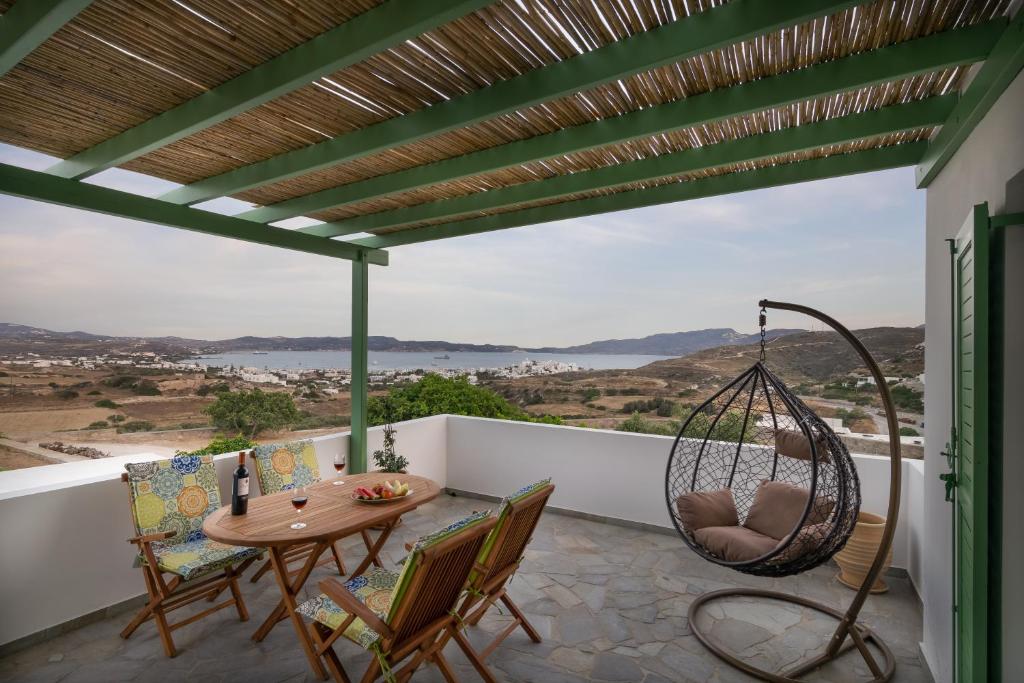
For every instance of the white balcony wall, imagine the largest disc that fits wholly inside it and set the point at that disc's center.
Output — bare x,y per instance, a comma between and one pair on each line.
622,475
63,528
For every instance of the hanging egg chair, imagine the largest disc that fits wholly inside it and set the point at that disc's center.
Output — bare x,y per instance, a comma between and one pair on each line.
758,482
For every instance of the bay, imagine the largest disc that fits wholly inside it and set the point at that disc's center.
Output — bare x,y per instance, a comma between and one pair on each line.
412,360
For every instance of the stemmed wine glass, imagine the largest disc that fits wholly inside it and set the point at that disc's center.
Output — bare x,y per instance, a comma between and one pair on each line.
339,465
299,500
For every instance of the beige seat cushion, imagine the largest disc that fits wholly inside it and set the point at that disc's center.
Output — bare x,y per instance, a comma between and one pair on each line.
735,543
807,539
700,509
794,444
778,506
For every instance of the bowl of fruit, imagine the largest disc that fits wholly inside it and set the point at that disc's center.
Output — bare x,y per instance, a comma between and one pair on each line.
381,493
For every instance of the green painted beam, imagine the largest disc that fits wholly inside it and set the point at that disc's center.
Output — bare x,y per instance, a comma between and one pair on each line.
28,24
785,174
911,58
20,182
363,36
994,76
709,30
359,381
894,119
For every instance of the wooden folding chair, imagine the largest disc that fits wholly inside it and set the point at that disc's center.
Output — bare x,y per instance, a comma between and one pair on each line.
404,619
499,559
169,501
280,467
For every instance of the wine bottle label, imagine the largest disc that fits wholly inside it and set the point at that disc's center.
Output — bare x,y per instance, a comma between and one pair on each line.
243,486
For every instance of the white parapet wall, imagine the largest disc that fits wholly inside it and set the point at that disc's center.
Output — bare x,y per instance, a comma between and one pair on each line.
621,475
63,528
63,553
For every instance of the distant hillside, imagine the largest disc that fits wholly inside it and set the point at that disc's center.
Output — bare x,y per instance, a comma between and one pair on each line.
15,339
801,357
668,344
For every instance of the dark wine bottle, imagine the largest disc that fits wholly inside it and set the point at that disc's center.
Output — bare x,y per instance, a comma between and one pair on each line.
240,487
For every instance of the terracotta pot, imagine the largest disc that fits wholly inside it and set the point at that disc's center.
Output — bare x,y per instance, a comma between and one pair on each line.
855,558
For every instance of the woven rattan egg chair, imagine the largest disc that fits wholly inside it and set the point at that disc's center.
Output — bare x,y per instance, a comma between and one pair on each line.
757,482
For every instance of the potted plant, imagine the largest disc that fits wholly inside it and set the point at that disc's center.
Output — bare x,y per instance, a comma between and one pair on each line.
858,554
386,459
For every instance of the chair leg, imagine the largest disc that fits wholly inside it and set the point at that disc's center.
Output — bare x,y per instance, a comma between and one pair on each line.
371,671
243,613
337,559
264,568
155,598
518,614
165,631
473,656
445,667
330,657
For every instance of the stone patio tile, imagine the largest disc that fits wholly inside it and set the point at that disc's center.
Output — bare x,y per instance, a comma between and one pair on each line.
610,602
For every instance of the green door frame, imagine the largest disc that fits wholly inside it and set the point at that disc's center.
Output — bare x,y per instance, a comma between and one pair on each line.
359,376
975,449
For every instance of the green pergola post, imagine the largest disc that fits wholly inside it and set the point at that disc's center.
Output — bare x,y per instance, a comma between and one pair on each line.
360,315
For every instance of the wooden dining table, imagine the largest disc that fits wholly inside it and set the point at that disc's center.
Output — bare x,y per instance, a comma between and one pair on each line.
330,514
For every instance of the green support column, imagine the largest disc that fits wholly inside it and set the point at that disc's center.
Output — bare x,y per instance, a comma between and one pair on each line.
360,315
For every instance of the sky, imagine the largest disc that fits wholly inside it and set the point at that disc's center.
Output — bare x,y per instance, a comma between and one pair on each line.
853,247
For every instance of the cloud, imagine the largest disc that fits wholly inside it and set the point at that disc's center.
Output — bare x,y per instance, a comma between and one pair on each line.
853,246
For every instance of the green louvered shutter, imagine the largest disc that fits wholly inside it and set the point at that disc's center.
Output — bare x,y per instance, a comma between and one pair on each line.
972,372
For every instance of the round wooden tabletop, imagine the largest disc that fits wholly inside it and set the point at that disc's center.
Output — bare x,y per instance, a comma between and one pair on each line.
330,513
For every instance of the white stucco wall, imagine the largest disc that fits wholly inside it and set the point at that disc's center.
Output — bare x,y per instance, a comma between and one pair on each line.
979,172
62,538
622,475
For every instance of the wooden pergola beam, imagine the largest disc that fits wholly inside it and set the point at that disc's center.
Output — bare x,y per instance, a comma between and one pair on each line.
785,174
895,62
694,35
29,23
998,71
363,36
897,118
20,182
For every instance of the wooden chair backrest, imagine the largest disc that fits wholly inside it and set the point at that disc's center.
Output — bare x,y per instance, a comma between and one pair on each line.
437,582
516,531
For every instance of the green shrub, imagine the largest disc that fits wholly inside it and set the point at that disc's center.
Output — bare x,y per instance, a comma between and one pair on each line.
98,424
105,403
146,388
208,389
251,412
222,444
135,426
309,421
436,395
909,431
730,427
115,418
590,393
637,424
94,392
121,381
907,399
67,394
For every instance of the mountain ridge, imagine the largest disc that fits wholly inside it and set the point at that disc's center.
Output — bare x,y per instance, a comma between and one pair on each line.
16,338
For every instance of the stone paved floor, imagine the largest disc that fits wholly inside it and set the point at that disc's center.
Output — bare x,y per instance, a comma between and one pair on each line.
610,601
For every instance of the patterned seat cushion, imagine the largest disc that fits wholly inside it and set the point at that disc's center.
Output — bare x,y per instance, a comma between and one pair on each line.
373,589
173,495
284,466
379,589
202,556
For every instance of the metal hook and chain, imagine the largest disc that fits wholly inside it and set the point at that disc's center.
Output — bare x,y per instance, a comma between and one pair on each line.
762,320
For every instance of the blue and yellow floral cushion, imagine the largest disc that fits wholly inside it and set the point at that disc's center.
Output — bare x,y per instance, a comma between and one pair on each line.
373,589
194,558
284,466
173,495
379,589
